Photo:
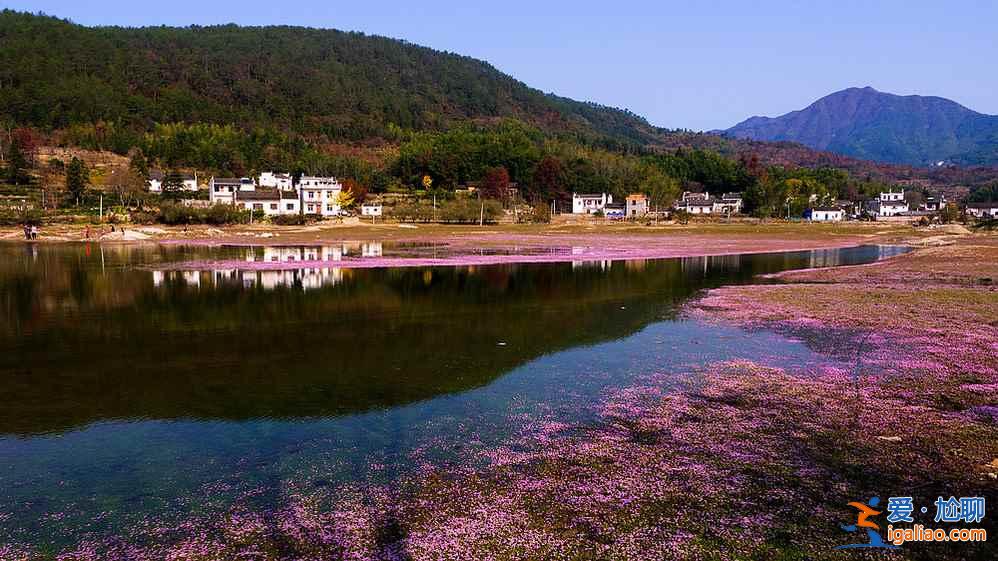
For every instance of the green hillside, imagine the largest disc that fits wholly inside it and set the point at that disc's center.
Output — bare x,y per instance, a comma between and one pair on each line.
350,86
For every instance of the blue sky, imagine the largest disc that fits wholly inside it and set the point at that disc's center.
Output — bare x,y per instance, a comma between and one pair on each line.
697,64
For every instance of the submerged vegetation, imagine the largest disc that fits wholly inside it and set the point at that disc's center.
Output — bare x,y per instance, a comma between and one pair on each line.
733,460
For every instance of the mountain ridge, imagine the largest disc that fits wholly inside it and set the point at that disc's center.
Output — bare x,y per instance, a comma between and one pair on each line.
868,124
341,84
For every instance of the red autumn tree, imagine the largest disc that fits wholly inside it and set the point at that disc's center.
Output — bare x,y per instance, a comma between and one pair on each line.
495,182
549,179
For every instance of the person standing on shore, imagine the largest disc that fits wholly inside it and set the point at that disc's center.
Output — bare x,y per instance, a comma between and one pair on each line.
34,232
27,231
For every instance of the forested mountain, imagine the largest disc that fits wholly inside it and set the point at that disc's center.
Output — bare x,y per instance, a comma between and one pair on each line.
55,74
380,112
865,123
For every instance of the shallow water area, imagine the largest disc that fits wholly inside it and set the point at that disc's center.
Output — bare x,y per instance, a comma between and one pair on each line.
143,384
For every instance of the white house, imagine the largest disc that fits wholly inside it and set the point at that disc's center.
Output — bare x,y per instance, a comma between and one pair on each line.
320,195
280,181
694,196
983,210
223,190
271,202
890,203
590,203
614,210
371,209
696,205
188,182
729,203
826,214
637,205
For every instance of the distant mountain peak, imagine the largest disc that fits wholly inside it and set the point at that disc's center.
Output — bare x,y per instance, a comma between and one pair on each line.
866,123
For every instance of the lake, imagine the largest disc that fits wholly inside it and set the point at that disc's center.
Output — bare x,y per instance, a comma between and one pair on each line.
140,384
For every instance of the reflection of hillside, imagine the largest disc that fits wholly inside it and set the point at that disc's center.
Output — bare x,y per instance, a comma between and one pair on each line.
87,342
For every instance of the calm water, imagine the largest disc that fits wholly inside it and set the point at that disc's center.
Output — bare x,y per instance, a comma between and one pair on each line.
131,392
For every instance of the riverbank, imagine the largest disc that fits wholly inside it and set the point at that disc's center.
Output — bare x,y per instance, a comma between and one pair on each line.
732,460
473,245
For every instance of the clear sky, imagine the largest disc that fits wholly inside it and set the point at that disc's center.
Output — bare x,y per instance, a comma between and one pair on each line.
695,64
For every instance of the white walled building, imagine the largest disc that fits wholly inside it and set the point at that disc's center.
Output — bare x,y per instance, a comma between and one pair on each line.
983,210
224,189
188,182
826,214
696,206
271,202
282,181
637,205
276,194
371,209
590,203
890,203
320,195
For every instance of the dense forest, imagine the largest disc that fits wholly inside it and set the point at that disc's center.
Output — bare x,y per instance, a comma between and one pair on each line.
339,85
380,112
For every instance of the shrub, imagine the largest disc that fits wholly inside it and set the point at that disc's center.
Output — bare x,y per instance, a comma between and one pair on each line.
541,214
221,214
174,214
288,220
412,211
470,211
143,217
16,217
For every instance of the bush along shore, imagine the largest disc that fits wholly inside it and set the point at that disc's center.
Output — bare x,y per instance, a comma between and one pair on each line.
739,460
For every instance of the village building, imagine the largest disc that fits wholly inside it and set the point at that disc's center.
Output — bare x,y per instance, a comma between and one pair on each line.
696,206
890,203
372,209
590,203
694,196
851,209
614,211
320,195
637,205
729,203
825,214
933,203
282,181
223,190
271,202
983,210
188,182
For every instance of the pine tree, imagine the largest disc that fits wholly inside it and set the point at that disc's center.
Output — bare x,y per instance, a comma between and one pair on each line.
77,179
16,165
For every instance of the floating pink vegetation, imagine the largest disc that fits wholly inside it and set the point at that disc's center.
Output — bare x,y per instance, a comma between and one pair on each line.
521,249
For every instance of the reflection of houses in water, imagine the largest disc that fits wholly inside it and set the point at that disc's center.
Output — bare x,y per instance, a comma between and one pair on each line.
702,264
371,249
307,279
294,254
602,264
825,258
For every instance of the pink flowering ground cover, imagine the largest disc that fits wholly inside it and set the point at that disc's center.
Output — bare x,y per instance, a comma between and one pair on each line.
745,461
495,248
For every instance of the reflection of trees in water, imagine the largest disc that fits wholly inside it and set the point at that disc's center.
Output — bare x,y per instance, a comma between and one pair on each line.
89,338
